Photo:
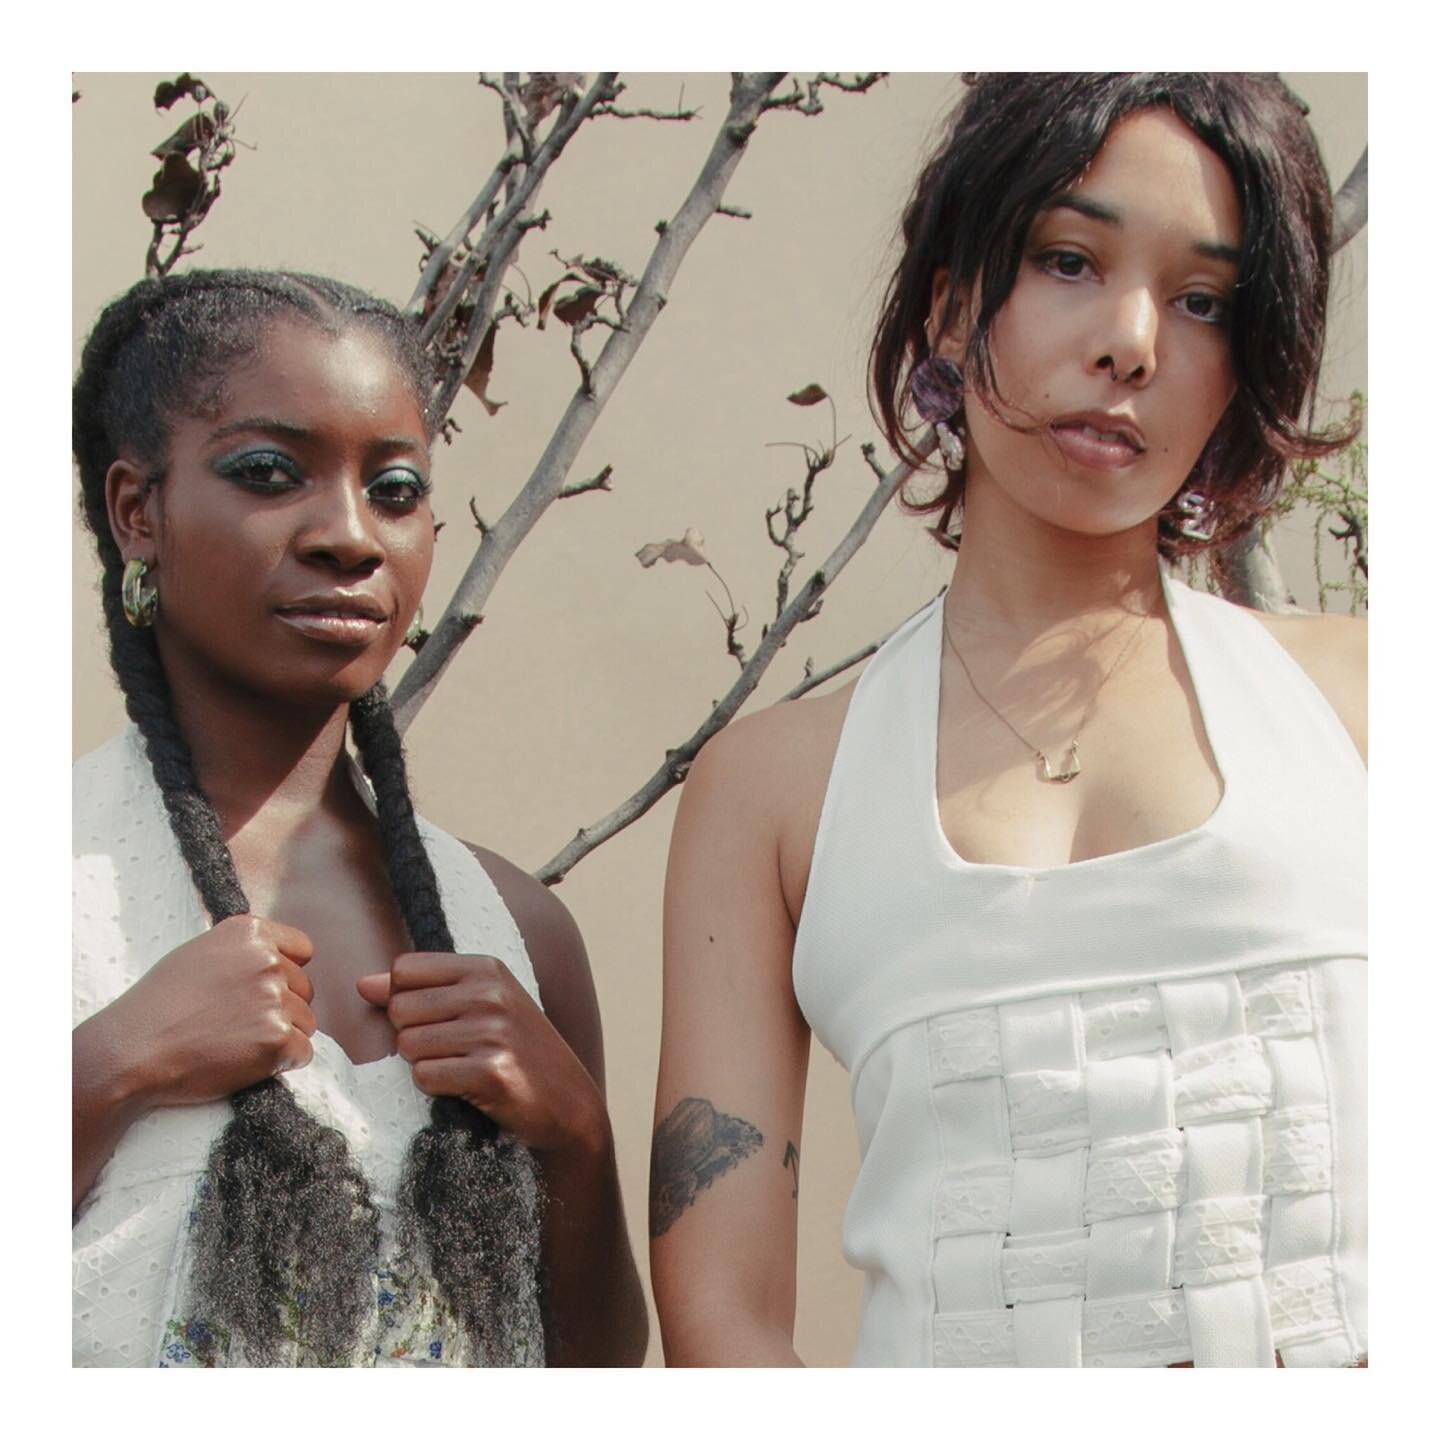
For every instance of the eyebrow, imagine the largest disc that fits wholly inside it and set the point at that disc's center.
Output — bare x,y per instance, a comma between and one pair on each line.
1093,210
268,426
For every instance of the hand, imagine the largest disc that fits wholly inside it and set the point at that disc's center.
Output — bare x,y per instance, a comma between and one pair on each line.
219,1013
469,1028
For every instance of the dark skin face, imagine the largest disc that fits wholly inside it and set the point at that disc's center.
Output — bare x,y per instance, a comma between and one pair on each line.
290,540
291,537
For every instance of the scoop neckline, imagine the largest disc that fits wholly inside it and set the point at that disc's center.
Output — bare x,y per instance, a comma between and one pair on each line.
954,860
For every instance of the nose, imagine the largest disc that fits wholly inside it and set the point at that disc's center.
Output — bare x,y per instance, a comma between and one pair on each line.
1132,325
340,528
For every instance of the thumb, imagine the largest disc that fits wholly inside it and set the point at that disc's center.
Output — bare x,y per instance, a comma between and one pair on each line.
375,988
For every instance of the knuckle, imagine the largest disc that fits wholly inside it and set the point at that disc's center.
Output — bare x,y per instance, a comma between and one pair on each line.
407,1043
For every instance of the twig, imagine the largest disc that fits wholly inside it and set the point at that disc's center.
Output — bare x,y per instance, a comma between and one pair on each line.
808,101
677,762
868,451
812,680
584,487
645,113
572,116
747,98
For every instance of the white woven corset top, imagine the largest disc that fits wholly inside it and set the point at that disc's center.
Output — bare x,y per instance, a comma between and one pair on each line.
1112,1112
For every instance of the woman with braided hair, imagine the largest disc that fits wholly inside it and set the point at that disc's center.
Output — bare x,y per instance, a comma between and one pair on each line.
338,1078
1072,878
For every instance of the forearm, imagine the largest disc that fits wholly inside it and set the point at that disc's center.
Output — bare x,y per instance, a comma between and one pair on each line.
595,1311
696,1334
107,1098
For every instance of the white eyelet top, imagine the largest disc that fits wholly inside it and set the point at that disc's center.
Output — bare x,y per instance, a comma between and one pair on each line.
1111,1112
134,902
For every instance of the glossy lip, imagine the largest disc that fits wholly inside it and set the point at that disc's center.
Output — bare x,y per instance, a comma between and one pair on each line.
339,618
1089,450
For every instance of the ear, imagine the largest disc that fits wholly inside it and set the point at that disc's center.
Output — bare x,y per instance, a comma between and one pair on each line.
132,502
948,342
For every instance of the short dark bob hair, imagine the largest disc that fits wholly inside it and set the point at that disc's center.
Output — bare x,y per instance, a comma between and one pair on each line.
1013,142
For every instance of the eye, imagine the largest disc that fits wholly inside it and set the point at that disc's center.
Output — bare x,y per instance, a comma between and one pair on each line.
1207,308
399,490
1063,264
266,471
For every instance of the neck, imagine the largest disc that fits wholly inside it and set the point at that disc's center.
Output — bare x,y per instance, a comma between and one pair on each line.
251,754
1015,573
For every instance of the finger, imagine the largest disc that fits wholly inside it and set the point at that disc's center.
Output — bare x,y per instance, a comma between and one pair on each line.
415,970
437,1042
453,1075
296,1054
288,940
427,1007
298,981
298,1013
374,989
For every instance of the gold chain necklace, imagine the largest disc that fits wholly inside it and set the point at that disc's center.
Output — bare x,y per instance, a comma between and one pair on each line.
1070,758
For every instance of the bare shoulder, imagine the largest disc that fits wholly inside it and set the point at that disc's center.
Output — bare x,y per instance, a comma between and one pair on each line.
1333,650
557,954
775,762
767,773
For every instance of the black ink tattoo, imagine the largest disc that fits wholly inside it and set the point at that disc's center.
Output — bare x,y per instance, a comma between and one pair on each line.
792,1162
692,1148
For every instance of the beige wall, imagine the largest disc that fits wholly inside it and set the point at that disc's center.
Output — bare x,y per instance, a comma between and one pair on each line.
588,667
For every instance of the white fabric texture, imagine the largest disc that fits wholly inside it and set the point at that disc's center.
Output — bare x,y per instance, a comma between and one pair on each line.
1112,1112
134,902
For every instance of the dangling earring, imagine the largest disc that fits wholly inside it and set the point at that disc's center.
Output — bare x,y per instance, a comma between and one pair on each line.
417,632
937,390
138,603
1196,523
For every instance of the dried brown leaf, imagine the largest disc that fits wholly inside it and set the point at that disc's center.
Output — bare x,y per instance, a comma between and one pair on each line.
167,92
690,549
173,191
545,89
547,295
194,134
575,308
812,394
479,377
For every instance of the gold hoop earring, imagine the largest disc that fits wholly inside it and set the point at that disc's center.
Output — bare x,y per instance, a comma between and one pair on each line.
139,603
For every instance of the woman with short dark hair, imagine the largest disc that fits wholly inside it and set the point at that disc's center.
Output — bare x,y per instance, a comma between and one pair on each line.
1071,879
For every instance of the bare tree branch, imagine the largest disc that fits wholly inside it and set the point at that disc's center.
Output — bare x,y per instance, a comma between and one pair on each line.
808,101
804,606
1352,204
747,97
573,114
1249,574
812,681
583,487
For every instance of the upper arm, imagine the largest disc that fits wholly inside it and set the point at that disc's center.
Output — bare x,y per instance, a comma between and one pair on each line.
557,955
1333,650
734,1051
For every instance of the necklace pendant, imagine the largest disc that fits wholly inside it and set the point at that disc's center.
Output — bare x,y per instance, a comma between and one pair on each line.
1069,766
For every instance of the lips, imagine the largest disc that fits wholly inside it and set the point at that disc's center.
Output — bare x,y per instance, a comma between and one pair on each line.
335,618
1098,441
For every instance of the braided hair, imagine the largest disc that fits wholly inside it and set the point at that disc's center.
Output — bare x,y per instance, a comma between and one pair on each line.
286,1233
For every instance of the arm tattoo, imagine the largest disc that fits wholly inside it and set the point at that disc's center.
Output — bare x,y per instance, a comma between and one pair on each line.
792,1163
693,1147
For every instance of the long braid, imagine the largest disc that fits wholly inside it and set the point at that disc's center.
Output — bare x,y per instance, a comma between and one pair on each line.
469,1202
286,1233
